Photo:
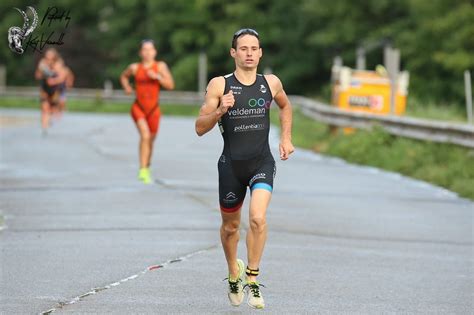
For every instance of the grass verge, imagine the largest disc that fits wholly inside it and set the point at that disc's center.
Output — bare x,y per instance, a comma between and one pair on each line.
430,110
99,106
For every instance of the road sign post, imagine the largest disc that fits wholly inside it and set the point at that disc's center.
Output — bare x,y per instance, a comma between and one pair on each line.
392,64
202,71
468,90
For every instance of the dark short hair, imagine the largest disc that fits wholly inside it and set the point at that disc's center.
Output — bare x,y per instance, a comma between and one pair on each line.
242,32
147,40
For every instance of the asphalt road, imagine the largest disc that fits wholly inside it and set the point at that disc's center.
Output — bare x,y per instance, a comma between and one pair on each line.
82,235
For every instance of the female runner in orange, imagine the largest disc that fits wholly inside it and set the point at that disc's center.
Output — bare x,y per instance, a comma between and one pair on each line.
150,75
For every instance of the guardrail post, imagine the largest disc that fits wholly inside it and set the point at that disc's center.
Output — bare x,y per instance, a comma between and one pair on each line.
336,67
202,73
468,89
3,78
360,63
392,64
108,89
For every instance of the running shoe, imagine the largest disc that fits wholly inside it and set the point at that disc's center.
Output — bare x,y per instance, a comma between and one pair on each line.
236,289
145,176
254,295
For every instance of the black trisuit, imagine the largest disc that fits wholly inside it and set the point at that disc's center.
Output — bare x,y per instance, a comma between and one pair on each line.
246,159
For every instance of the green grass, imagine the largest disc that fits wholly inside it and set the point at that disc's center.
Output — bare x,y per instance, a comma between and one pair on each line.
429,110
445,165
99,106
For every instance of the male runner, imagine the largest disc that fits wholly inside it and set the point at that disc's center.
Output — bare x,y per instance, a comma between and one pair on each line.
240,103
150,75
52,73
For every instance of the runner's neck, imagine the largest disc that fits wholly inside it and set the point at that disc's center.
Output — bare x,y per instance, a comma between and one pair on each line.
247,77
147,64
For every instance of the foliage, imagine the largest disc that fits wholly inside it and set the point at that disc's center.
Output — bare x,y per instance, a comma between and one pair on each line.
299,39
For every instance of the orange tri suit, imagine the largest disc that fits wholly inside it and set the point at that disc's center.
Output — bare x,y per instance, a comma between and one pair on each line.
147,92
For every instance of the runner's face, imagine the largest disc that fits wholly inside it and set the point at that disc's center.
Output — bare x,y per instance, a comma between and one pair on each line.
50,57
248,52
148,52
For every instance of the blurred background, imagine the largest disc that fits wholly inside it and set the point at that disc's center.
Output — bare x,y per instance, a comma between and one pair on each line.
299,38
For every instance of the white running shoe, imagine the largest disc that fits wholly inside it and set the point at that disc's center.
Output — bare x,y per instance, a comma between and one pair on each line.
236,289
254,295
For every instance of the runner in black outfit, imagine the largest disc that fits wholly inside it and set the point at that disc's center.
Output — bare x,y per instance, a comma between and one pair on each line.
240,103
246,160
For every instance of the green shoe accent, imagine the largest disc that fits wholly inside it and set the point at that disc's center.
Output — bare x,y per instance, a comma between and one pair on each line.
236,289
145,176
240,276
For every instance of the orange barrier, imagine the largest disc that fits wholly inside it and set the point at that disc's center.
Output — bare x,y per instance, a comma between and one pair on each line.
368,91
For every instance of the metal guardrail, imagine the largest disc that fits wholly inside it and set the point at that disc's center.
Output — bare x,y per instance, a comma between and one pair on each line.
166,97
422,129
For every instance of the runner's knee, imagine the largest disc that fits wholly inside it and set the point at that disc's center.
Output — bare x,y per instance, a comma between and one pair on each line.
146,136
230,227
258,224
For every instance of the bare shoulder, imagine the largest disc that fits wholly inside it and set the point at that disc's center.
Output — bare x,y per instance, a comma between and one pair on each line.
274,82
133,67
162,65
216,86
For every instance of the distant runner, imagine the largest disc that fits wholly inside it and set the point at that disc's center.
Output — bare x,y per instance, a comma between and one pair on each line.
150,76
53,75
240,103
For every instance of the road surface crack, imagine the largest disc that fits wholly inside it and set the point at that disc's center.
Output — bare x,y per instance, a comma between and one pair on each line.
96,290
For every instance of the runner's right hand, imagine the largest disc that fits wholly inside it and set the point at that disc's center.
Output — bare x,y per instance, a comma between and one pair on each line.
128,90
227,101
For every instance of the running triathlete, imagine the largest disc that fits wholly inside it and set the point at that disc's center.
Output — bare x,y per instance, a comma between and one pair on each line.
240,103
53,74
150,75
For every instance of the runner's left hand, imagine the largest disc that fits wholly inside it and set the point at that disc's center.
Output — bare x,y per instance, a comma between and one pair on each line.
154,75
286,148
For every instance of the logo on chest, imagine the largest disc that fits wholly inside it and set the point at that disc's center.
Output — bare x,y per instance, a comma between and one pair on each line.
236,89
251,108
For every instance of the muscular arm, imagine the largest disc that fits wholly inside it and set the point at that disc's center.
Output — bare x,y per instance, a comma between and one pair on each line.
125,78
286,115
209,113
38,72
70,78
165,77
